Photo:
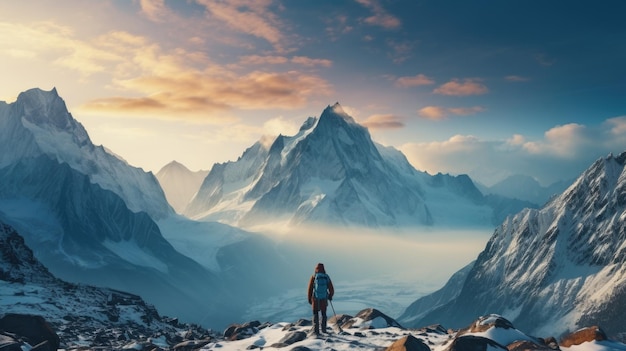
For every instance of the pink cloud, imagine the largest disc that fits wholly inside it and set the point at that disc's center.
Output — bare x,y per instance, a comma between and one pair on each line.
385,121
380,17
439,113
466,87
414,81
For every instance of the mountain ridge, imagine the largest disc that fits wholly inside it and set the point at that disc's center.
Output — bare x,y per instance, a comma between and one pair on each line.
559,264
332,172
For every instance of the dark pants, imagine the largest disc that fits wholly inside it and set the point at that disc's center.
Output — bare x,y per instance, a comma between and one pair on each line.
319,307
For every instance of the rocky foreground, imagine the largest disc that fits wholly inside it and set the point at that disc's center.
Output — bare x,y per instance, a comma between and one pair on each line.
368,330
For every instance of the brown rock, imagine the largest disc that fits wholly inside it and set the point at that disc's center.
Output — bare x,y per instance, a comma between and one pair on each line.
583,335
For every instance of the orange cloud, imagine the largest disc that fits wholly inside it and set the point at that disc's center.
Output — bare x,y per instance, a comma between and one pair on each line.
439,113
263,60
385,121
414,81
155,10
251,17
433,112
306,61
462,88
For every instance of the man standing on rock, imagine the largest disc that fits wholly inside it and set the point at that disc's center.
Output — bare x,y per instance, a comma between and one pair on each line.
320,291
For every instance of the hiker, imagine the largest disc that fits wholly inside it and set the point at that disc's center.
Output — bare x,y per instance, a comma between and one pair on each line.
321,290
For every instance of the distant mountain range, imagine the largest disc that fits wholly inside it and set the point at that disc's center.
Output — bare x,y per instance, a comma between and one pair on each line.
525,188
179,184
332,173
557,268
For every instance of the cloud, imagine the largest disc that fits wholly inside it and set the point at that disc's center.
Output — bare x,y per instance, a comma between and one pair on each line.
439,113
565,141
201,94
263,60
514,78
155,10
562,154
380,17
252,17
280,60
50,42
280,125
456,87
400,50
414,81
306,61
384,121
174,83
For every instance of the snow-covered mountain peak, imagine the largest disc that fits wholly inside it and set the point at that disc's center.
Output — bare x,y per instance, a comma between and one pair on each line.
45,108
332,172
38,123
334,113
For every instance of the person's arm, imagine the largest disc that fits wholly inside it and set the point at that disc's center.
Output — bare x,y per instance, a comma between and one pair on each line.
310,290
331,289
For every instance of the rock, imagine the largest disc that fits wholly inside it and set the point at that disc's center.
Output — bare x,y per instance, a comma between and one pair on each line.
241,331
290,338
483,323
33,328
190,345
9,343
408,343
526,345
474,343
369,317
583,335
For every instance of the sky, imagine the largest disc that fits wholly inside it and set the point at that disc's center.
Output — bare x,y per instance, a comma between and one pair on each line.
485,88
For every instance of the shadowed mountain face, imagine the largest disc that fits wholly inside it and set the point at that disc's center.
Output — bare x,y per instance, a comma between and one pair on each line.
561,265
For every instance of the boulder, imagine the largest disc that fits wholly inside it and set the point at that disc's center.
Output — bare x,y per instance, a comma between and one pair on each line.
526,345
9,343
474,343
371,318
241,331
33,328
583,335
408,343
289,339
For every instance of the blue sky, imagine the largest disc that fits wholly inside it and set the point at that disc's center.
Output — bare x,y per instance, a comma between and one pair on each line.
487,88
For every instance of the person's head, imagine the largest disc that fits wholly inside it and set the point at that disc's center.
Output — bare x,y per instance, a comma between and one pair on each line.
320,268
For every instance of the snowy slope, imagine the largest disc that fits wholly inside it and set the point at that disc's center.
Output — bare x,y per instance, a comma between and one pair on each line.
38,123
561,265
331,172
179,184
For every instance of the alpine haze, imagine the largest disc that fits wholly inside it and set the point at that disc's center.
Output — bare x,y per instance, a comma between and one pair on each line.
179,184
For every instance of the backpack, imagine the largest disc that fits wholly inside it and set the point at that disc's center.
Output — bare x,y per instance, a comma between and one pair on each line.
320,287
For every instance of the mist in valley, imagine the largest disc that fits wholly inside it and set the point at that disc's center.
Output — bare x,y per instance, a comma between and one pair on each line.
383,269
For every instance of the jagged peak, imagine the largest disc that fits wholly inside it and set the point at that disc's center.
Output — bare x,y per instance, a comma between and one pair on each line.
336,111
42,107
